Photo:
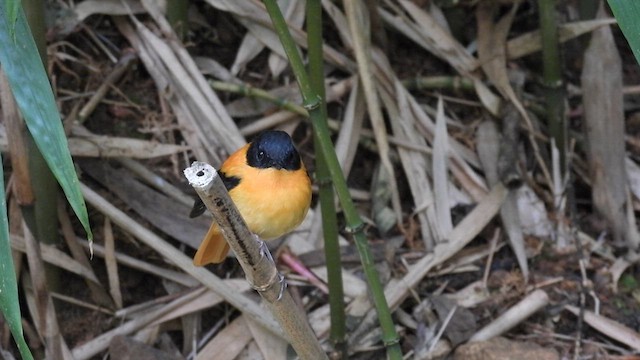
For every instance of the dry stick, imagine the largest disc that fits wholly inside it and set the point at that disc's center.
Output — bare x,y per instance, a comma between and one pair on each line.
98,293
156,181
255,260
46,322
100,343
126,260
512,317
111,264
118,71
241,302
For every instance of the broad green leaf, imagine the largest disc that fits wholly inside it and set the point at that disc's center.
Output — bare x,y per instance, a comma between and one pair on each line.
627,13
12,14
8,285
30,84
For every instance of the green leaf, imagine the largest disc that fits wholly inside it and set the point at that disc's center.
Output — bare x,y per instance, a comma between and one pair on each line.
30,84
627,13
8,285
12,14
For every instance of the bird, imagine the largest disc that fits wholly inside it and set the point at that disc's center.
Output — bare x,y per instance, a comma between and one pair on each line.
270,186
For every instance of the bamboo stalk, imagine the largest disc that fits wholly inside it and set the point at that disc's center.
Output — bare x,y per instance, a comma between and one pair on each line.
255,260
355,225
552,78
337,334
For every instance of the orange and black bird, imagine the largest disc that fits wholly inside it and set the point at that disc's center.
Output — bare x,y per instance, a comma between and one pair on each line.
269,185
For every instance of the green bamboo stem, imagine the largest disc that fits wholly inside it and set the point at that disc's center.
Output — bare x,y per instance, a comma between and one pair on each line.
552,78
42,215
312,102
337,334
454,83
177,11
248,90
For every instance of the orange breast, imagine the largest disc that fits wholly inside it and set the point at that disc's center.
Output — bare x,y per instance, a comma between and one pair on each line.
272,202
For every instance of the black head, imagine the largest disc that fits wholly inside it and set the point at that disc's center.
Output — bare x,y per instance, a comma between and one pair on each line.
273,149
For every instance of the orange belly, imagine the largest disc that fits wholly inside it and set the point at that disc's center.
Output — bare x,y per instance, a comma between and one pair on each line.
272,203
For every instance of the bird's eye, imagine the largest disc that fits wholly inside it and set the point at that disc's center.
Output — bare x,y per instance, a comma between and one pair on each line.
261,156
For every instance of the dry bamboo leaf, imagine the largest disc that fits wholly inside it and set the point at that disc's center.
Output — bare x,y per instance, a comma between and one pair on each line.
633,174
204,300
209,66
53,256
488,143
108,146
461,235
397,289
250,352
340,21
533,214
270,346
294,14
349,136
362,47
100,343
471,295
461,158
268,122
511,222
16,131
111,264
160,210
354,286
530,43
619,266
87,8
320,320
233,338
491,50
169,252
162,79
252,15
382,215
216,117
189,92
164,273
426,32
51,341
155,181
249,48
415,164
488,147
439,40
440,178
46,321
609,327
98,293
604,127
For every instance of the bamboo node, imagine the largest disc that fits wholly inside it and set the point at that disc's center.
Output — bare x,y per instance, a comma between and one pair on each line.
354,229
312,104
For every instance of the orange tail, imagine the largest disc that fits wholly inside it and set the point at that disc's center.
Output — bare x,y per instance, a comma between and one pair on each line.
213,249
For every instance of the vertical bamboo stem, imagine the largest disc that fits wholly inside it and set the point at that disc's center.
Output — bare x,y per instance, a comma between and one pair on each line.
552,78
327,205
355,226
